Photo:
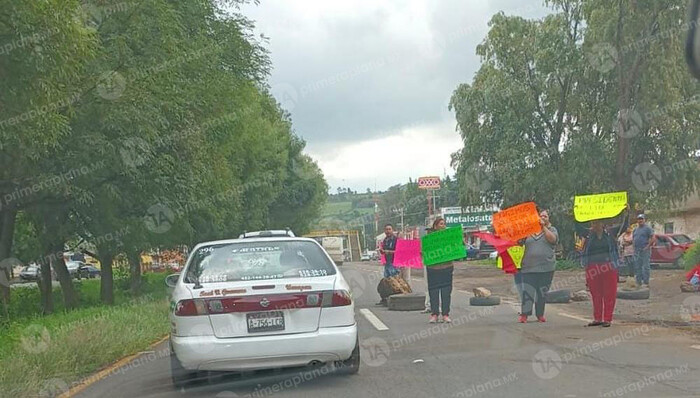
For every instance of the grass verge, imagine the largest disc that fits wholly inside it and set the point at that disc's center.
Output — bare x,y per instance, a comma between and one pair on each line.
42,355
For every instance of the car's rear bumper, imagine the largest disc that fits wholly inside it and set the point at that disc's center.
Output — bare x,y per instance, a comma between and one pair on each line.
264,352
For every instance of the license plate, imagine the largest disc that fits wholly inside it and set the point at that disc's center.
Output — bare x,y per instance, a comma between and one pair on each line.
265,321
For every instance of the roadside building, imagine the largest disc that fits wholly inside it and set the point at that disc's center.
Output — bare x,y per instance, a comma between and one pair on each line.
682,219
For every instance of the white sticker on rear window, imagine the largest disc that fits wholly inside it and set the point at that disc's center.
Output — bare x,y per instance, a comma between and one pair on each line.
261,249
308,273
261,277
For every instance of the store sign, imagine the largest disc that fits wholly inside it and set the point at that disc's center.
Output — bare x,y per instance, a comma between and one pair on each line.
429,182
469,220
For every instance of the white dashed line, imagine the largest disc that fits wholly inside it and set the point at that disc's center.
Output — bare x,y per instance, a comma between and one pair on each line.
371,318
697,347
578,318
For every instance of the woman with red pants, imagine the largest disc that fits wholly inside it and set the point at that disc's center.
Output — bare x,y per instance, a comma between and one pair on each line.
601,261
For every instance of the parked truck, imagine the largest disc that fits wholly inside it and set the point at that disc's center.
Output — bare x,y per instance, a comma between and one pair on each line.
335,249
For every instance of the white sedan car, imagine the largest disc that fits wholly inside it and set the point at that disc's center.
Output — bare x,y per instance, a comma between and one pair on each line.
259,303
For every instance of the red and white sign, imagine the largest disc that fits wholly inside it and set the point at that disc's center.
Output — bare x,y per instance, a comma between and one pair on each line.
429,182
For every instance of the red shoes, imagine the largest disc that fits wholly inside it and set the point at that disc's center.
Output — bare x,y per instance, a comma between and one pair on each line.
522,319
541,319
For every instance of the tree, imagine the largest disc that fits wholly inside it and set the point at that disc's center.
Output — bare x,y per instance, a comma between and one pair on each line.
542,118
152,107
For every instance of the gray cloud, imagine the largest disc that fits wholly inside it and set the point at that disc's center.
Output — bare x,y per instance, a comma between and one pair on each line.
355,70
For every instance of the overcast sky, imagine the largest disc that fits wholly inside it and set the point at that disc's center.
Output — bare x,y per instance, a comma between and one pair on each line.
368,82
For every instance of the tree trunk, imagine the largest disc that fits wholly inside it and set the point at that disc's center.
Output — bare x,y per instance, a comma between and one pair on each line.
70,298
135,268
45,286
106,276
7,230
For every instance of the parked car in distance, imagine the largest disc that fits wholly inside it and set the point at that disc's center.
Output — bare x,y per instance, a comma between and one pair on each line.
669,248
30,273
493,255
472,252
485,250
76,269
365,256
91,272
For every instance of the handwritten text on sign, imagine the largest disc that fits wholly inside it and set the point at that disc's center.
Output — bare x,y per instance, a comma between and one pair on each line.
517,222
599,206
443,246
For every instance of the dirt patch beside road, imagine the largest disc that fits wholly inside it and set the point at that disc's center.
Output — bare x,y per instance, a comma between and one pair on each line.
667,305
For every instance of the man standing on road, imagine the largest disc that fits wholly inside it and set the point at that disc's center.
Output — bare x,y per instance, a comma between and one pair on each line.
643,238
387,249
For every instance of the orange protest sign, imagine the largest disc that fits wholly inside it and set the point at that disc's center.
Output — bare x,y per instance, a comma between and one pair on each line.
517,222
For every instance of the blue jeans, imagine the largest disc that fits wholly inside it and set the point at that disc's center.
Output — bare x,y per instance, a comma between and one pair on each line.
390,270
642,268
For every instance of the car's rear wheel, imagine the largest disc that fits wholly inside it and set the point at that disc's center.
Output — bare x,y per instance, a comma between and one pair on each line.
180,375
351,365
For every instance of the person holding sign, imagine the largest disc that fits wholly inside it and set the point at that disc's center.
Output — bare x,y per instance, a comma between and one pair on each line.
537,268
440,284
601,261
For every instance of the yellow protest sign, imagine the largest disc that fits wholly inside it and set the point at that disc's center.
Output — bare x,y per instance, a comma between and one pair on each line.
599,206
516,253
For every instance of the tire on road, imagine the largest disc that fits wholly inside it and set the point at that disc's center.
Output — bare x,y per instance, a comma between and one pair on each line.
351,365
484,301
406,302
558,296
641,294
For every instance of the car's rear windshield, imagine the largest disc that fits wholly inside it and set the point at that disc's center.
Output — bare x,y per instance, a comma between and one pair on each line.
248,261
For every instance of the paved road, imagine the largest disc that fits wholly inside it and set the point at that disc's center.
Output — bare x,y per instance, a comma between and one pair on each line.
485,353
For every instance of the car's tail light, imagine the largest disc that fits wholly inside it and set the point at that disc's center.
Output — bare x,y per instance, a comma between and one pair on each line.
340,298
191,308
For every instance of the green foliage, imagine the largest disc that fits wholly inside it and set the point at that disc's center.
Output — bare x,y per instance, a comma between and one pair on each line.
551,113
691,257
25,299
113,109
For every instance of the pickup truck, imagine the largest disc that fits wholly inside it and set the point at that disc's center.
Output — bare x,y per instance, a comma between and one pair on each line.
669,248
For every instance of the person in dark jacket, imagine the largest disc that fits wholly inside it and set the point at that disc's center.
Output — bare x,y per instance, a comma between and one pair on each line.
601,261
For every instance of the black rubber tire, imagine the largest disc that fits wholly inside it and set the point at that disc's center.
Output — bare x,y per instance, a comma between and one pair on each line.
641,294
179,375
406,302
351,365
558,296
484,301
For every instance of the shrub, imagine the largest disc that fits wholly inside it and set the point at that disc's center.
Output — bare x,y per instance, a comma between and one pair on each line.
691,257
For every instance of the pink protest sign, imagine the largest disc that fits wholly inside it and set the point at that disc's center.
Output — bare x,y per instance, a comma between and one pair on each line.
408,254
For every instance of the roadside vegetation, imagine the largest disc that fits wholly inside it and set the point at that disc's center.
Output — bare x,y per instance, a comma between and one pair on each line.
39,353
142,125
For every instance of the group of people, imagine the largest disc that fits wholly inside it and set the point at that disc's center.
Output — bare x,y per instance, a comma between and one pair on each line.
600,258
439,276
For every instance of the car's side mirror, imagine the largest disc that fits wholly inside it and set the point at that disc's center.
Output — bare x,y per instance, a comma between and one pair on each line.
692,46
171,280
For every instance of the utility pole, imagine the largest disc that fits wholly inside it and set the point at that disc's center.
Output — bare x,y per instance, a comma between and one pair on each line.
403,227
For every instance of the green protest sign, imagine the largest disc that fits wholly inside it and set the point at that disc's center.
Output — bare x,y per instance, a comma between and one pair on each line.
442,246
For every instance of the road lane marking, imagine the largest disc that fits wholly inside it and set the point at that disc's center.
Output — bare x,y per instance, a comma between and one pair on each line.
697,347
371,318
578,318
